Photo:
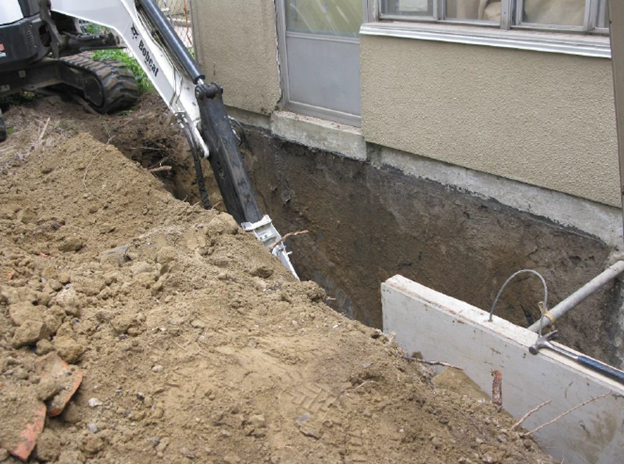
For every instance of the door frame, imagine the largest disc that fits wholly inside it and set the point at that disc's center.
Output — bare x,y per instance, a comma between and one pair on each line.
368,15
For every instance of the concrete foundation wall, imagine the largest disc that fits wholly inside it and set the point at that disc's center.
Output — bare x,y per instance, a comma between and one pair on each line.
541,118
596,219
236,45
445,329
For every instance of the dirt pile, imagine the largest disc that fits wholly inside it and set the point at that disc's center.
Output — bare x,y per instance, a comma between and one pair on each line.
146,134
192,342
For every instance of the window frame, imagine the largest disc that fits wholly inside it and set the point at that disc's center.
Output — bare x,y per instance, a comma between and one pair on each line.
369,15
510,11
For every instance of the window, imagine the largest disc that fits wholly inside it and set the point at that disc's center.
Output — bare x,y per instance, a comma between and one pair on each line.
589,16
334,18
320,53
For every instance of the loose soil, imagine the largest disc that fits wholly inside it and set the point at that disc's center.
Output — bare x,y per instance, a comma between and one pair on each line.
193,342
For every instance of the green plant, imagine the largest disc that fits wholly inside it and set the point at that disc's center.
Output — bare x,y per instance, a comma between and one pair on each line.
93,29
18,98
143,82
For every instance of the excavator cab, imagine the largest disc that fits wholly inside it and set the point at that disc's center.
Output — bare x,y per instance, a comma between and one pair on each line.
21,42
23,35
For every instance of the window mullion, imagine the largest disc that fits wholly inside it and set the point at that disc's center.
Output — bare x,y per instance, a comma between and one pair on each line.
436,9
506,13
519,13
591,15
369,10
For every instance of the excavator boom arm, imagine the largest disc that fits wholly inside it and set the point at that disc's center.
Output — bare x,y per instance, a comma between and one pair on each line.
197,106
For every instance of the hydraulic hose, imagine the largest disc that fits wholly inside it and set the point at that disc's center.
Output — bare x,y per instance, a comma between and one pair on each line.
199,172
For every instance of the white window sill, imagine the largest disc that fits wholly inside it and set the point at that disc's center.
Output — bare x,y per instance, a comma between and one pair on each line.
554,42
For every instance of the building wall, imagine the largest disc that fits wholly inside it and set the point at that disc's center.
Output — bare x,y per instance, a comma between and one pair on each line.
236,46
545,119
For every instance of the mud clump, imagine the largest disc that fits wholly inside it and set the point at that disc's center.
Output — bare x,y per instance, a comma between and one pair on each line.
193,342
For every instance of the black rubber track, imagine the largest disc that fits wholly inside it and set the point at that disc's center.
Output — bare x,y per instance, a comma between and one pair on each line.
3,129
120,89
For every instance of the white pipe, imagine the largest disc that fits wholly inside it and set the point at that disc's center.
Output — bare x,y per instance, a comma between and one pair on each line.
581,294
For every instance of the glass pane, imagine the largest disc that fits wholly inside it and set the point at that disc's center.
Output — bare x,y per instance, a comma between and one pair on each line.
603,14
474,9
407,7
559,12
326,17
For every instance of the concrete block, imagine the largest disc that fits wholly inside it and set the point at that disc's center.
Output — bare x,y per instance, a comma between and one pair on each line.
445,329
319,133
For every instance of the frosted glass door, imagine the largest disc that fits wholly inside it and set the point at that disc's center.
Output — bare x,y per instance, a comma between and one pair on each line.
323,57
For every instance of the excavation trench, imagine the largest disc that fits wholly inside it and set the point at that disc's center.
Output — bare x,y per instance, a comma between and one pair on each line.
367,223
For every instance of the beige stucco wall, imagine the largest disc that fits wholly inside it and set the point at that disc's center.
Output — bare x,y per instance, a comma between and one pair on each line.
236,45
541,118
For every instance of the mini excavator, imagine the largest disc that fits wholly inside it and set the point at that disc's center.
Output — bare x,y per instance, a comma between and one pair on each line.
43,45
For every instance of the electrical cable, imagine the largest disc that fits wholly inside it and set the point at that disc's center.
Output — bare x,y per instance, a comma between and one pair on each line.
514,275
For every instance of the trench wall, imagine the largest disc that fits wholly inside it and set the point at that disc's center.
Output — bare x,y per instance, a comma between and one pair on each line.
368,223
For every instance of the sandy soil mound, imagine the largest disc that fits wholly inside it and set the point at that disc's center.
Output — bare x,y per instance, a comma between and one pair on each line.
146,134
192,341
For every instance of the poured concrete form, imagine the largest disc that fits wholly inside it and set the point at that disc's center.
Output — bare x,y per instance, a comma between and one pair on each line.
445,329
